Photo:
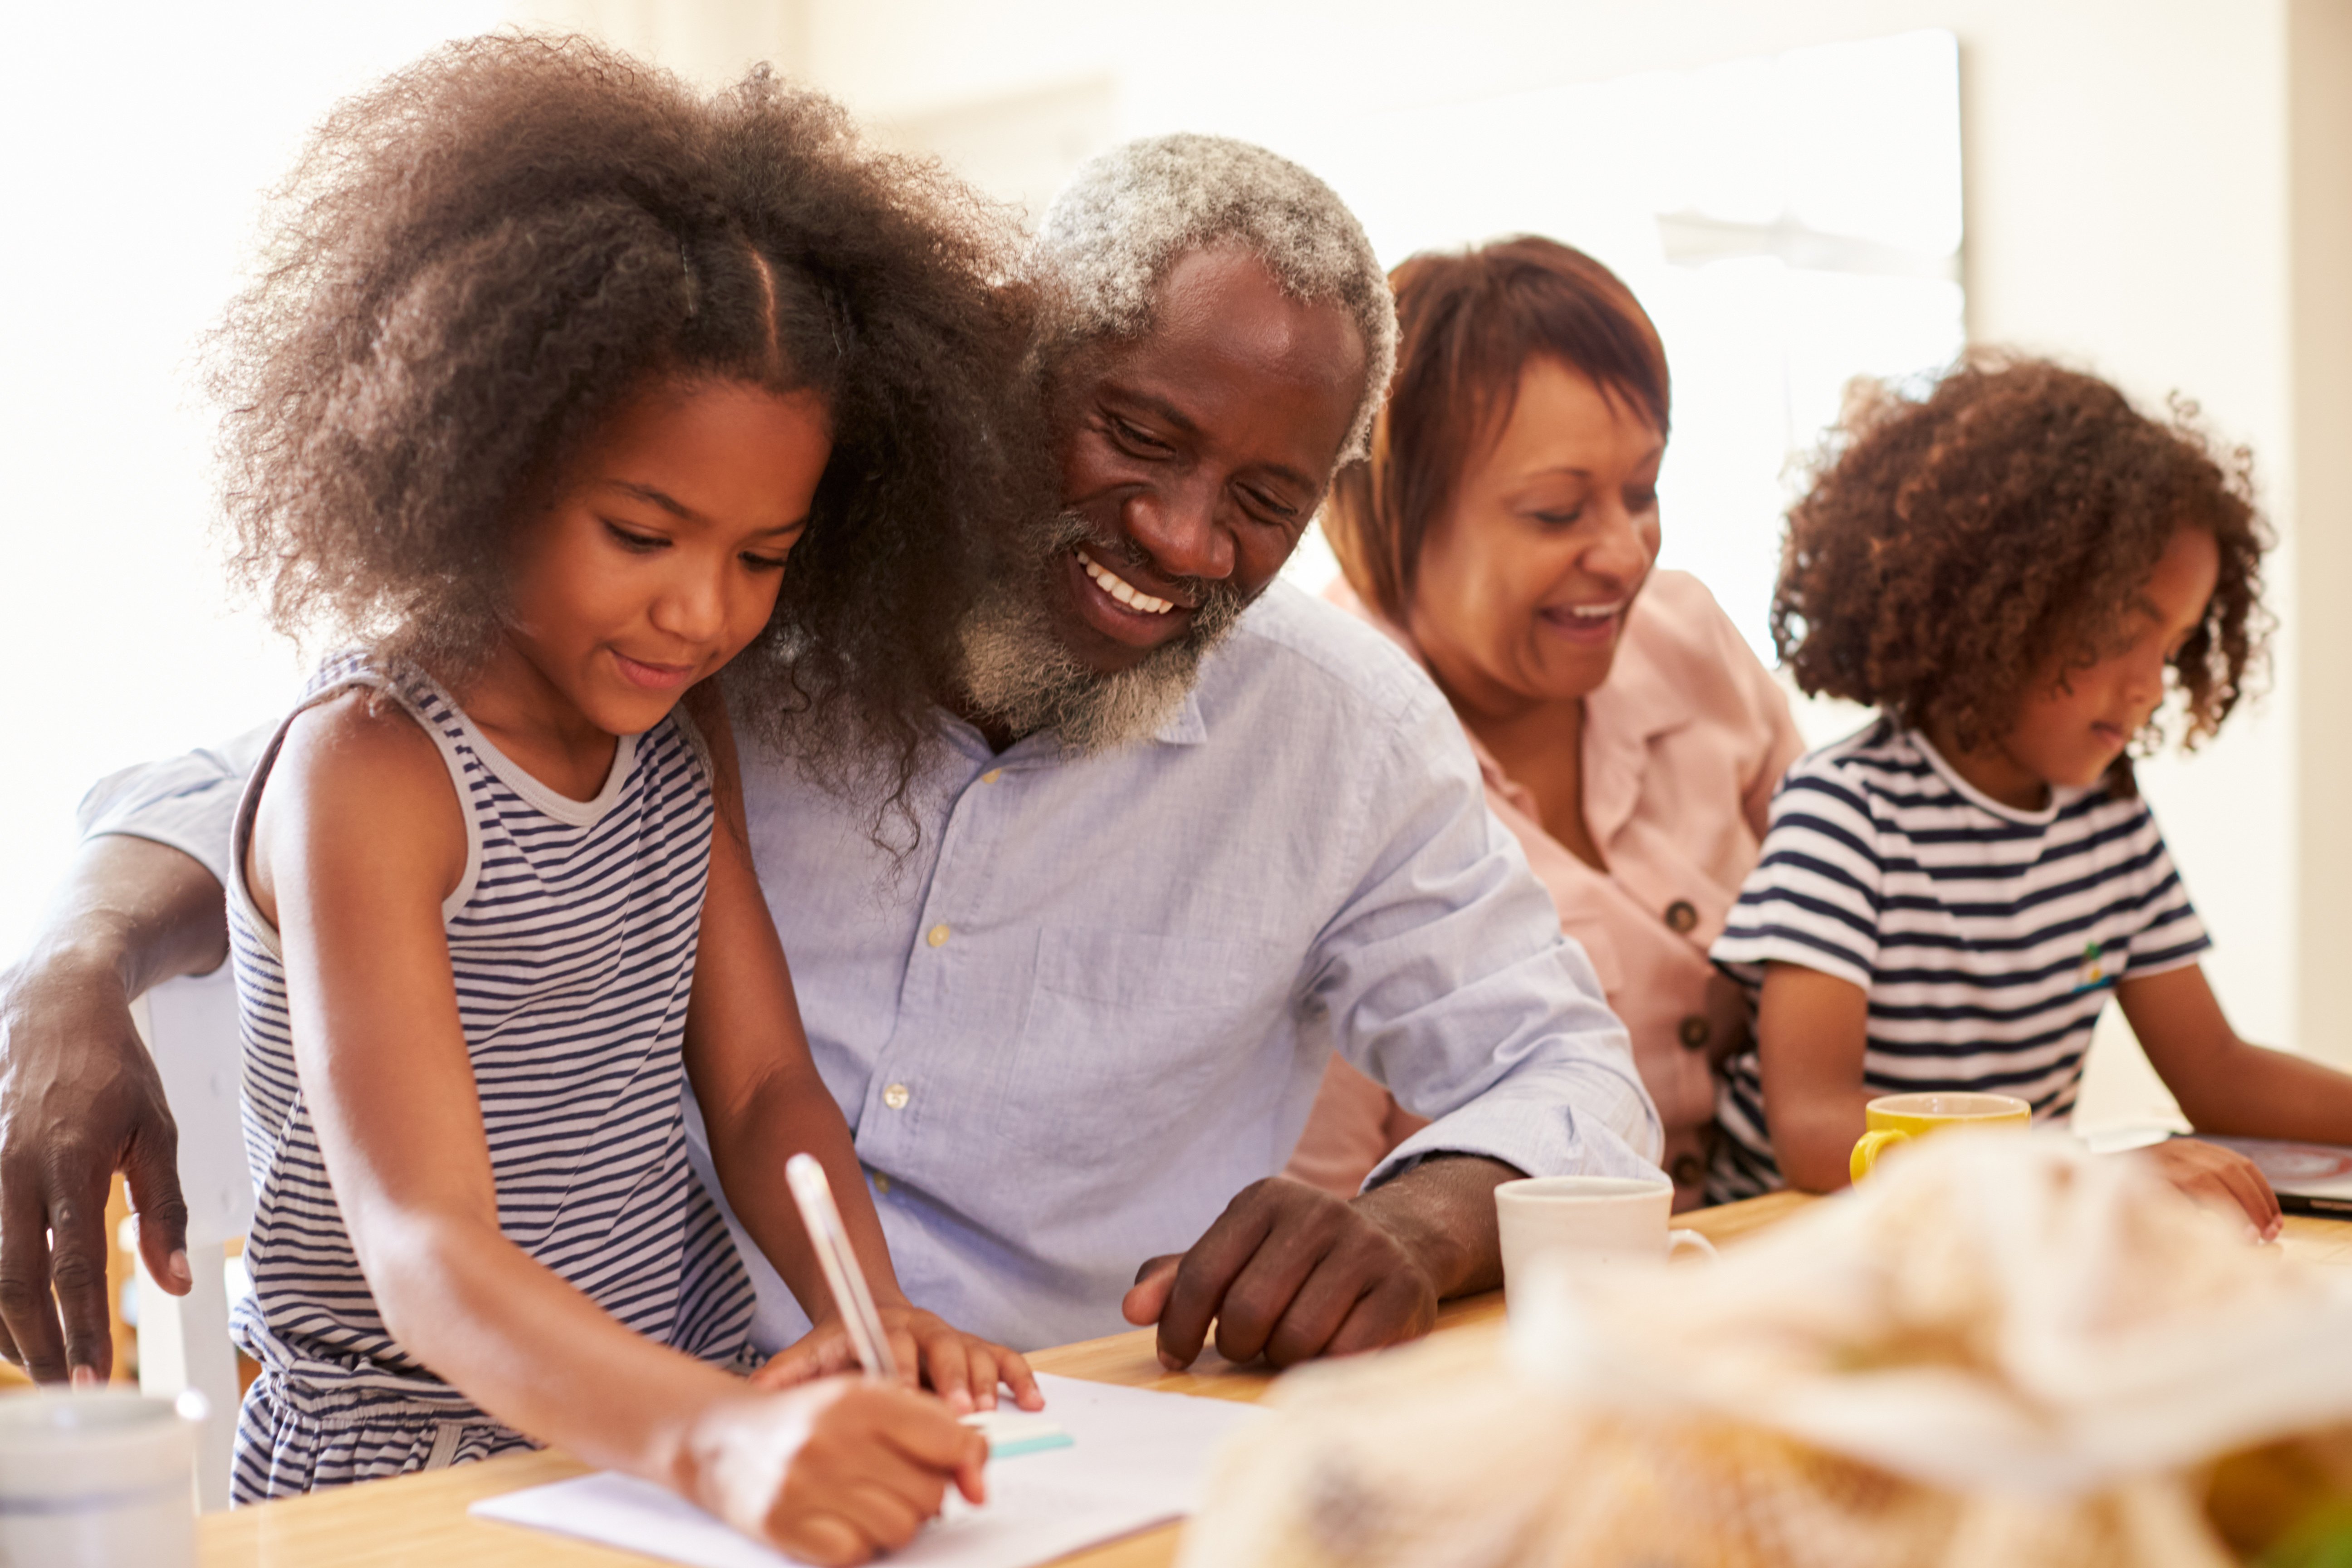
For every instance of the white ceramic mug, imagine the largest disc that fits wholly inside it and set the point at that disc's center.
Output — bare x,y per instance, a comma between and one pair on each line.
98,1478
1579,1223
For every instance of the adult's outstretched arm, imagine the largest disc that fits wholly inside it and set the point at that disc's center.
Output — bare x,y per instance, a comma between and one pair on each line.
80,1099
1445,977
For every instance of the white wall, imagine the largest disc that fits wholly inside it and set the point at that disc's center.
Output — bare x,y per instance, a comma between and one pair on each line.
2128,200
2128,209
140,137
708,41
2319,165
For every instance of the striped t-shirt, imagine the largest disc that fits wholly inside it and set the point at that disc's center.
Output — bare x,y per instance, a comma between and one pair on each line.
1988,938
571,940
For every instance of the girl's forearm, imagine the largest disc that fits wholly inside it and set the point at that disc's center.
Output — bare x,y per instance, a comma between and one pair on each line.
1813,1033
748,1146
2223,1084
2250,1092
1813,1139
536,1353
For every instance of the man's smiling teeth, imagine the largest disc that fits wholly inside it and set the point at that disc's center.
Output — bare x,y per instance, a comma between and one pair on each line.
1122,589
1596,612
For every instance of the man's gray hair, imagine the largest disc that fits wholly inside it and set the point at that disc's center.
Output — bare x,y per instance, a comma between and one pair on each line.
1131,214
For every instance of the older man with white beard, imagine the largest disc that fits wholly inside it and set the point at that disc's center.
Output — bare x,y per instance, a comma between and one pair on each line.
1187,832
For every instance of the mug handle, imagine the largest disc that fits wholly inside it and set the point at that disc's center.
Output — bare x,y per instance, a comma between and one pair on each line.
1870,1146
1679,1240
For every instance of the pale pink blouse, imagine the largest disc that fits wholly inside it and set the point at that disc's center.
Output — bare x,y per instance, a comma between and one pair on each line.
1683,745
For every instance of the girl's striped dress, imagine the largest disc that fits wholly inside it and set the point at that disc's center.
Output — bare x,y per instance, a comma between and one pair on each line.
571,937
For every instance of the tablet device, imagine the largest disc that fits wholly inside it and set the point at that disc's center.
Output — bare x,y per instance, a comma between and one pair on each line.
2309,1178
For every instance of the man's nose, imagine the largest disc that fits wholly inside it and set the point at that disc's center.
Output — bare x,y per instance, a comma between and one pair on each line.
1179,527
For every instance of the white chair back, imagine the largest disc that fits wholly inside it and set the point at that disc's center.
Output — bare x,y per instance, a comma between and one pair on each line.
191,1029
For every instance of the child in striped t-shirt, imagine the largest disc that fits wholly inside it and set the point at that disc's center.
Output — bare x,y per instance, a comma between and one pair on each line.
2018,570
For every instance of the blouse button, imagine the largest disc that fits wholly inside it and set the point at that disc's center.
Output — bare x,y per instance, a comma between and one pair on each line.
937,935
1694,1031
1681,917
894,1096
1689,1170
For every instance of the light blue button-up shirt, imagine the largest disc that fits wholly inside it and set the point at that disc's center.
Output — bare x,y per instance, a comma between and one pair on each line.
1096,1000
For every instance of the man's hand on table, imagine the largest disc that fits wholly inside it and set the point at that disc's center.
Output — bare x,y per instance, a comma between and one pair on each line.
1290,1272
80,1099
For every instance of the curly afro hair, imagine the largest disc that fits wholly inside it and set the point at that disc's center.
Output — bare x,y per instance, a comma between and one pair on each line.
479,259
1955,549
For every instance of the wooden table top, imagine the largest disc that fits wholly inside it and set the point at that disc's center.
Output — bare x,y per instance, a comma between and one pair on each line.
423,1518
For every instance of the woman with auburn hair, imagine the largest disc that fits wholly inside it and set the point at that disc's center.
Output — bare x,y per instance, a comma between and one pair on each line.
1504,530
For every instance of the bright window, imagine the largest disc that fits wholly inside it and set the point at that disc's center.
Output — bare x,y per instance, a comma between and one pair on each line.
140,139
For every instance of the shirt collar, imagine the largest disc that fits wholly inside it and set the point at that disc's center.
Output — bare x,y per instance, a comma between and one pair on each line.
1639,702
1624,715
1185,727
2060,798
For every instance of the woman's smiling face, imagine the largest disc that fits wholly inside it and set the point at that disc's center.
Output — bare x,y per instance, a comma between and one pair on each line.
1522,592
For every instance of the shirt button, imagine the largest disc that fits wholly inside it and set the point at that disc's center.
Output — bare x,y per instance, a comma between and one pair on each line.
1689,1170
894,1096
992,776
1681,917
1694,1031
881,1182
937,935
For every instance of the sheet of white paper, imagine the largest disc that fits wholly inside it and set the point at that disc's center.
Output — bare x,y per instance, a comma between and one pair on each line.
1139,1459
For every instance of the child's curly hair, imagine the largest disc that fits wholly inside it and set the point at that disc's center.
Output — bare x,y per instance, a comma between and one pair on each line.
1953,548
477,260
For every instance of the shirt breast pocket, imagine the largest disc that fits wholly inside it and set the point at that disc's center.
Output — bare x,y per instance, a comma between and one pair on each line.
1134,1043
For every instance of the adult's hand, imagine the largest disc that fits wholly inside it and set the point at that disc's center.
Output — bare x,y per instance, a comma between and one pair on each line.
1290,1272
80,1099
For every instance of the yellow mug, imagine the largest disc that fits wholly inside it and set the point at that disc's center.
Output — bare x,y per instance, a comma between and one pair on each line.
1897,1118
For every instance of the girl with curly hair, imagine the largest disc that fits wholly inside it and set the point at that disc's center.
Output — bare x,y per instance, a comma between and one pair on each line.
2021,573
555,366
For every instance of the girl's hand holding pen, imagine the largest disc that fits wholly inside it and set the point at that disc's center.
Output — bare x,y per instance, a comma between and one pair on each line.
963,1368
832,1471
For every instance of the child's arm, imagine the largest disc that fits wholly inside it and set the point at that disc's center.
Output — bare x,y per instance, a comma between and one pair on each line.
762,1101
1811,1030
2225,1085
357,842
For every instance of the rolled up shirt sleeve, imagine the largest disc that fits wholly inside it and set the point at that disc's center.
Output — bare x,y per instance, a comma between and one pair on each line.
1446,978
187,801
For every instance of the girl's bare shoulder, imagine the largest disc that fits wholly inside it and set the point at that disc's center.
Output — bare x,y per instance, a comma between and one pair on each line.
357,769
